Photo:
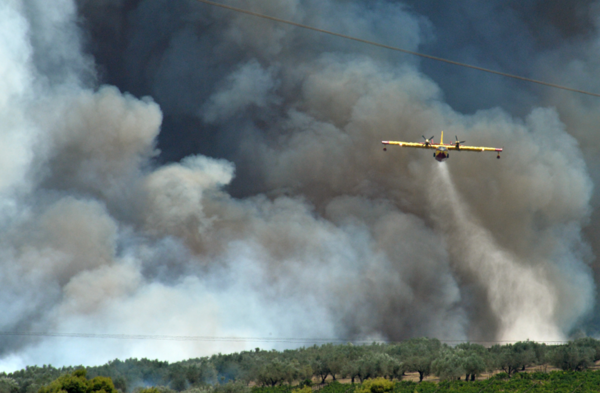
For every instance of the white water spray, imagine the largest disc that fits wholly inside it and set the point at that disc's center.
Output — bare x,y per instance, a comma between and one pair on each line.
520,296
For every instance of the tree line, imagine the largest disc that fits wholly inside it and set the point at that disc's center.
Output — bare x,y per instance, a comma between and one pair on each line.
318,364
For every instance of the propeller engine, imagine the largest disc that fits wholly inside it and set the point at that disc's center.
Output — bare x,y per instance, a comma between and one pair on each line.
457,143
428,141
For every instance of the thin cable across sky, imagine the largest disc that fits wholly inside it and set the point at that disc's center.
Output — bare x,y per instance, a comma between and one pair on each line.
399,49
293,340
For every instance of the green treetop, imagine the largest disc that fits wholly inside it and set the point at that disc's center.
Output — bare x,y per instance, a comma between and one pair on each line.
78,383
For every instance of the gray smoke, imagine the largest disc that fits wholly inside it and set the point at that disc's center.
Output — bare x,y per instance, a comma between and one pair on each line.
234,185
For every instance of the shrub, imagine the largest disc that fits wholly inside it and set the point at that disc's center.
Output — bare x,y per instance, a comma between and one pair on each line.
377,385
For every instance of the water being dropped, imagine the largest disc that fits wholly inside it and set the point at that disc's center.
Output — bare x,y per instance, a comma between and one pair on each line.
519,295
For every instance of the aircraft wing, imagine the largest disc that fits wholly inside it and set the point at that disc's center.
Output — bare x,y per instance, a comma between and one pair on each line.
411,144
473,148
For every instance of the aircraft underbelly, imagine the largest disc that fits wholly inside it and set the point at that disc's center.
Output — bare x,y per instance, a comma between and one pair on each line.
441,156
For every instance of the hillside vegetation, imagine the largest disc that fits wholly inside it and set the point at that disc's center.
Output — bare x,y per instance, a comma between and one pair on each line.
458,368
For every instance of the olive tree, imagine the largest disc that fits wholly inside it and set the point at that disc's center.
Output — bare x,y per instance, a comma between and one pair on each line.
512,358
448,365
474,359
573,357
8,385
419,353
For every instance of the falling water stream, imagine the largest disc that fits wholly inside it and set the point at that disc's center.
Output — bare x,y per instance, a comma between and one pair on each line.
520,295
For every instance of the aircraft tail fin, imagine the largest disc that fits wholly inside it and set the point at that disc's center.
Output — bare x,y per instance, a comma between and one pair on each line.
442,138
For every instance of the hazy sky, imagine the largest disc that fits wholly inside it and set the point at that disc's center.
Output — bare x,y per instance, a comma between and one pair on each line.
171,168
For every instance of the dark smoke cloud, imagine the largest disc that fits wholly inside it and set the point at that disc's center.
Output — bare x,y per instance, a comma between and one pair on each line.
501,35
207,173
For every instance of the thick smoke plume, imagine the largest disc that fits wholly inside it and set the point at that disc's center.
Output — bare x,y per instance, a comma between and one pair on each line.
233,183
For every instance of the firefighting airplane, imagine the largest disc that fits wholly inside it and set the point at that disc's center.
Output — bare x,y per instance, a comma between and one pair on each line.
441,150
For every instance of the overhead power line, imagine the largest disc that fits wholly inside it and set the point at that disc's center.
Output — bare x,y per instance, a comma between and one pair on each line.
169,337
399,49
296,340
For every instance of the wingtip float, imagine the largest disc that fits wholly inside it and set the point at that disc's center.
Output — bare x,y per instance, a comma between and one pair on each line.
442,151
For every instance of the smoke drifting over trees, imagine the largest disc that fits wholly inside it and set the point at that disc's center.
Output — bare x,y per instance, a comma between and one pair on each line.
232,183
